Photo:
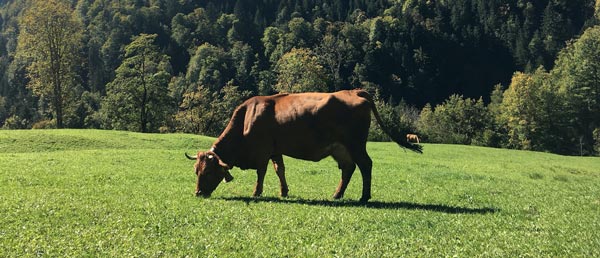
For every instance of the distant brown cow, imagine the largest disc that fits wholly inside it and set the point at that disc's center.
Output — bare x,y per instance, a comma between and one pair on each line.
412,138
308,126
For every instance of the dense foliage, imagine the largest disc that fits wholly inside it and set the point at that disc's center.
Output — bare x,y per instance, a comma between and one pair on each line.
212,54
138,99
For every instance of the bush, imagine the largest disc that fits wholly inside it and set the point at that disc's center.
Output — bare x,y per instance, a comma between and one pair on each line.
488,138
85,114
456,121
15,122
3,111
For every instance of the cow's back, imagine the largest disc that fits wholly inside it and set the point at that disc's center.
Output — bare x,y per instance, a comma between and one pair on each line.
307,125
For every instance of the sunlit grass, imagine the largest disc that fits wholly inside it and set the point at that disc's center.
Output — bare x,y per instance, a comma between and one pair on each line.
91,193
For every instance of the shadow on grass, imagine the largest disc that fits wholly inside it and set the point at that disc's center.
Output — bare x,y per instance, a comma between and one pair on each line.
371,204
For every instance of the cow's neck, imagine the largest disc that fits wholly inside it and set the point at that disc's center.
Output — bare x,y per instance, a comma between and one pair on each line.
224,147
228,145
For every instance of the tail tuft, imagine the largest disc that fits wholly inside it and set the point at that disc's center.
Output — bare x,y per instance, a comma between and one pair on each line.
413,147
401,141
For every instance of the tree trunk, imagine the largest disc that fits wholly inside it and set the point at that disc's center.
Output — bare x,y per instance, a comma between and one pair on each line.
55,58
59,112
143,112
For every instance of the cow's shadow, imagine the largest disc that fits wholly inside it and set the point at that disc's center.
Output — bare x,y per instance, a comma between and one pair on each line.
370,204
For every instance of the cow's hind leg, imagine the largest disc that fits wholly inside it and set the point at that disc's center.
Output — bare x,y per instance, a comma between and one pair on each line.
280,170
365,164
346,164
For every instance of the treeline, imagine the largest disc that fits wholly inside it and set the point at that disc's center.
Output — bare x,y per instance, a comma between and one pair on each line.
161,65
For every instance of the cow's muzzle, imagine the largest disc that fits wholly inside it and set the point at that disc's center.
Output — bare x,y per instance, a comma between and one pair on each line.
202,194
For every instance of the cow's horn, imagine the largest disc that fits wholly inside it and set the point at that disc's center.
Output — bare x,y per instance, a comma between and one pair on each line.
192,158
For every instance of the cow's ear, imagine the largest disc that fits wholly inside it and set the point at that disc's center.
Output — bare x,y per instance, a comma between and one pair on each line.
223,164
212,156
228,177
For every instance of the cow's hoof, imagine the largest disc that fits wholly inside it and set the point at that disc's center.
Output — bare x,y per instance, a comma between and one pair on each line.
284,193
364,199
203,195
337,196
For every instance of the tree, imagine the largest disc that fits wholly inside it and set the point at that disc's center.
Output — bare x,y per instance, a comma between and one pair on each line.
457,120
137,99
533,112
496,134
207,112
194,111
518,110
192,30
334,52
554,34
243,59
577,72
596,137
300,33
427,125
272,43
210,66
299,71
50,39
597,10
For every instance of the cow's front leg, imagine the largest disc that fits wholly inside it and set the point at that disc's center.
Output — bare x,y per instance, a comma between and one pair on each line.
260,173
280,170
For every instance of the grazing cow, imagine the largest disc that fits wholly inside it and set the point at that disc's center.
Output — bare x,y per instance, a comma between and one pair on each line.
412,138
308,126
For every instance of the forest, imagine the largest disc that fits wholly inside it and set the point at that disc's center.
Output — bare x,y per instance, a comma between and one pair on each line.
502,73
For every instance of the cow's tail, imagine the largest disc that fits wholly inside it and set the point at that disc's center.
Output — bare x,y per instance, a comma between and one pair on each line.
396,137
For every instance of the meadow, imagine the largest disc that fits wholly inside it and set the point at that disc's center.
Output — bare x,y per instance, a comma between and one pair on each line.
66,193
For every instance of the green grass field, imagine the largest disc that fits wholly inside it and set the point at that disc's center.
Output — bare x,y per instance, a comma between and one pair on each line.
66,193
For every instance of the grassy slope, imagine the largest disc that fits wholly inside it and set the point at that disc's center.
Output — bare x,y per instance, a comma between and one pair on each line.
87,192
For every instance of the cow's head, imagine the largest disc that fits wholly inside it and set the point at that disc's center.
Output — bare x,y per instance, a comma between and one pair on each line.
210,171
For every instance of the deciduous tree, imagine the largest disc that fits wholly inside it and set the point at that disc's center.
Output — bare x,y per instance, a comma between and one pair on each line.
299,71
207,112
138,99
458,120
50,40
533,112
577,72
210,66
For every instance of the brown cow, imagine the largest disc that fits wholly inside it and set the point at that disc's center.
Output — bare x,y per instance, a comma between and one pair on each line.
308,126
412,138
